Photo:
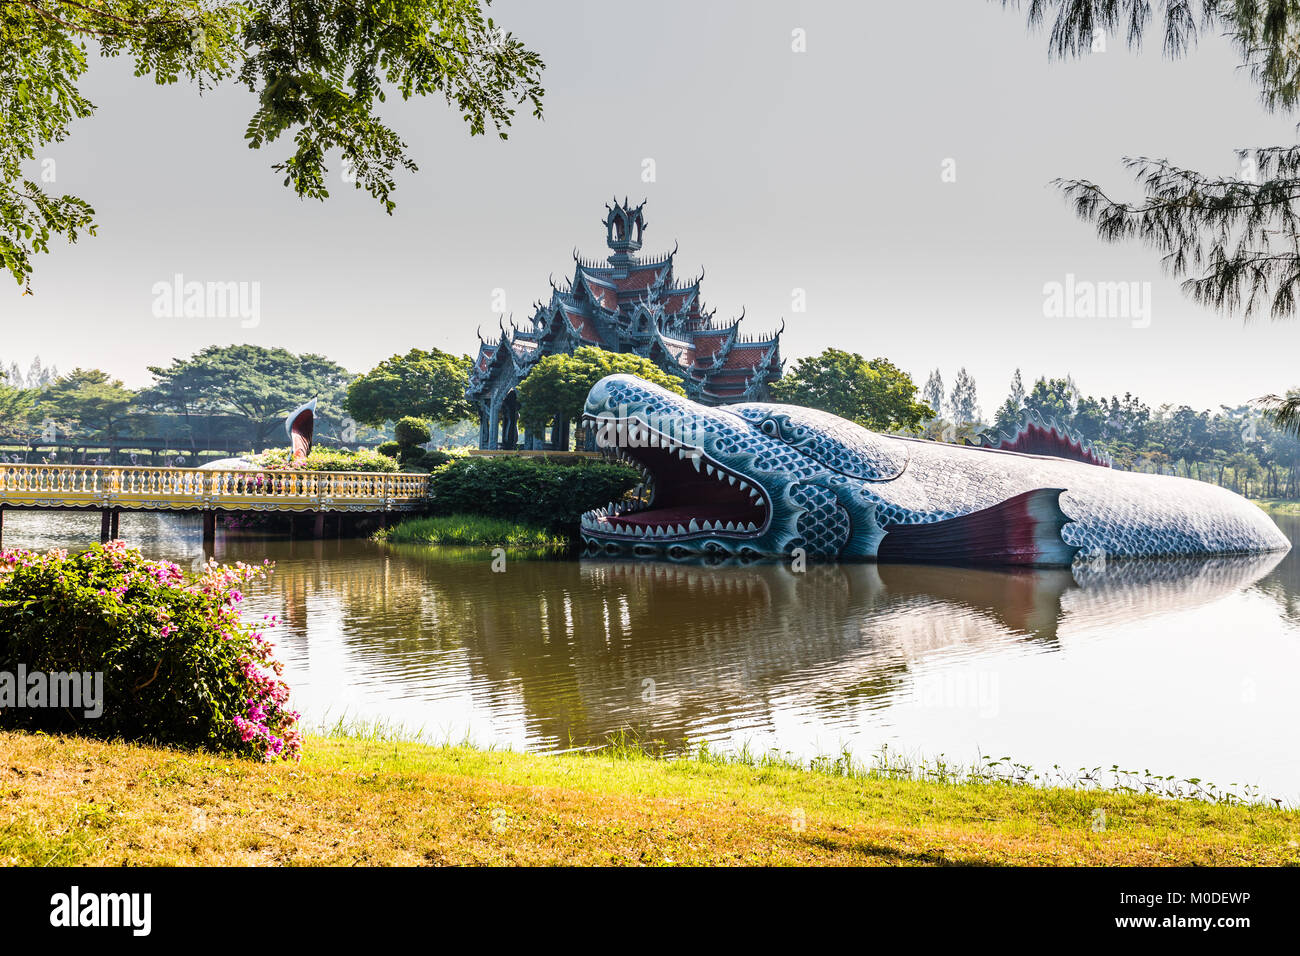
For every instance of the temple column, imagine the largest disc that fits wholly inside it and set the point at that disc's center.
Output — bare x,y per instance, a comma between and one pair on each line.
510,437
510,431
501,414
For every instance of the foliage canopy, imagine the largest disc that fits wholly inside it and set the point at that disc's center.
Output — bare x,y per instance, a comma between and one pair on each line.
418,384
319,69
875,394
557,386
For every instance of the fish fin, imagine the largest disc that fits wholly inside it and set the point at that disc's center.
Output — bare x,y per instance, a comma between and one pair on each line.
1045,436
1024,530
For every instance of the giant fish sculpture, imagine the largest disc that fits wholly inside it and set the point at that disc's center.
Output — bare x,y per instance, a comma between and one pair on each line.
761,480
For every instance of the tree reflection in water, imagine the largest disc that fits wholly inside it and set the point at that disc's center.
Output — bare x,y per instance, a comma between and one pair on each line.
677,652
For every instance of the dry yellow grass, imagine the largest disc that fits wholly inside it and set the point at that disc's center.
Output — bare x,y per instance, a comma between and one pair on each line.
75,801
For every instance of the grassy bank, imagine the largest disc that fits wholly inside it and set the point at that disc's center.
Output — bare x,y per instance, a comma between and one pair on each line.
1279,506
370,801
472,530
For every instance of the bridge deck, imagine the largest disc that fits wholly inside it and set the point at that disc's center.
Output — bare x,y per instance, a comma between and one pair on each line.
193,489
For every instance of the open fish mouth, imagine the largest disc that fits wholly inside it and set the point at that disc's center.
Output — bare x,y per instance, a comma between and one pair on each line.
691,496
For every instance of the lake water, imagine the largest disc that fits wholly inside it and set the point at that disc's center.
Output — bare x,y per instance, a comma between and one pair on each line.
1185,668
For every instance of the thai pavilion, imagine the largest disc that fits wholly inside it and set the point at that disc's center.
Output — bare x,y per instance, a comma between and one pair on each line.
625,304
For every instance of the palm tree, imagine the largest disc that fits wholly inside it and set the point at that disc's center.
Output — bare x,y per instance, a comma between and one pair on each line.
1283,412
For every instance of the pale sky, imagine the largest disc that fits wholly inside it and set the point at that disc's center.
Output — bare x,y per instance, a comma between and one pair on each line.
775,171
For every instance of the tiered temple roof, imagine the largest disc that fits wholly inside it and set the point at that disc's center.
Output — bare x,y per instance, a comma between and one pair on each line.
628,304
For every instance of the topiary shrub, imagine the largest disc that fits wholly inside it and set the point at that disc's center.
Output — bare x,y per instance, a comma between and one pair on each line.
178,664
389,448
530,490
411,431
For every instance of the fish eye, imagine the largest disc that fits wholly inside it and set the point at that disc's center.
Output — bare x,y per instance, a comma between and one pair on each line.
769,427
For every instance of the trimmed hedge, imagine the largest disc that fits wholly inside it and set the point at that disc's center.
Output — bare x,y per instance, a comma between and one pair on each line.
328,459
414,456
529,490
433,458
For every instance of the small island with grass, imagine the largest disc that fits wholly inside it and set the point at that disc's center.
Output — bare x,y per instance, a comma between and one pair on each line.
467,530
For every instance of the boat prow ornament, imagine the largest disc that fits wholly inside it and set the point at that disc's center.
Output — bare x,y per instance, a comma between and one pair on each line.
299,426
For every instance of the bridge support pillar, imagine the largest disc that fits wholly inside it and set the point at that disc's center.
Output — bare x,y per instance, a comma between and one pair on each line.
105,525
2,526
113,531
319,530
209,532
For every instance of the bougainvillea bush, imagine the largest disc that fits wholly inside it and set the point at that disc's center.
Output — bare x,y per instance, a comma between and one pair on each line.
179,664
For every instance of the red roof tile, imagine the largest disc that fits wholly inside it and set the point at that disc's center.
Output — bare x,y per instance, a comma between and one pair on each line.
743,357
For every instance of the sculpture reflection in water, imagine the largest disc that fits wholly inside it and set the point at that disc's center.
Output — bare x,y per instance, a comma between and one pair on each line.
673,652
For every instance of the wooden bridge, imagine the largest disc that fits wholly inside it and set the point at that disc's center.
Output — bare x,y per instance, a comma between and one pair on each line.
112,490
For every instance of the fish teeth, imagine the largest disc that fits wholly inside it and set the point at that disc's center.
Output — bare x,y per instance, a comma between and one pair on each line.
693,526
731,479
695,460
710,468
751,527
731,526
681,529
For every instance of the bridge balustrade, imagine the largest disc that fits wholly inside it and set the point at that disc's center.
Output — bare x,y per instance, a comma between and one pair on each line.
189,489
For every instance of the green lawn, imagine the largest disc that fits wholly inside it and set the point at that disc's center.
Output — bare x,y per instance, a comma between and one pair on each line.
1279,506
356,801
